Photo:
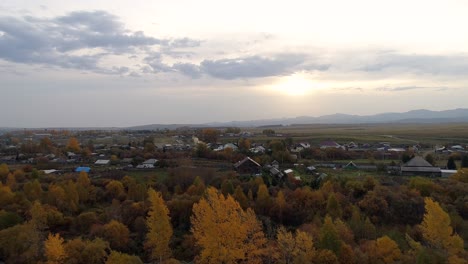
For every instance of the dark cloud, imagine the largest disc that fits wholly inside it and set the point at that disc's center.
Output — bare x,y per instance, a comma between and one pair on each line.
249,67
188,69
57,41
409,88
420,64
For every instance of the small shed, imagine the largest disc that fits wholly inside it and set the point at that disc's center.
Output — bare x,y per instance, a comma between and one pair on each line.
102,162
85,169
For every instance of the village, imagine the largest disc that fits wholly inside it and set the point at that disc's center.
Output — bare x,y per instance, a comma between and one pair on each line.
273,155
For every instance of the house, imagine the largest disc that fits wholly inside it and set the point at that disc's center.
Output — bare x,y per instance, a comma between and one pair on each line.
350,166
258,149
85,169
149,162
231,145
289,172
247,166
126,160
275,164
311,169
276,172
102,162
329,144
419,166
145,166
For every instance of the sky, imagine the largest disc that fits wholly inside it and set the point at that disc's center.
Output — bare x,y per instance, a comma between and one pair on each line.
122,63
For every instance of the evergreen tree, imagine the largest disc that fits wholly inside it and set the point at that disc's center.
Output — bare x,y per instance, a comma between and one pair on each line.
451,164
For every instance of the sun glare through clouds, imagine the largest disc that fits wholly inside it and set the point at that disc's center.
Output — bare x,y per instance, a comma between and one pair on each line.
296,84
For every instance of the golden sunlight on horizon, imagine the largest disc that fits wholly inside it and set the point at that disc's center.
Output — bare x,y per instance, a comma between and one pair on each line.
296,84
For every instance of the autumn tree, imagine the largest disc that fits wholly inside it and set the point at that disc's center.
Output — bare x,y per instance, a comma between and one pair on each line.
329,238
117,234
73,145
436,229
225,232
86,251
263,201
383,250
244,144
295,248
4,170
240,197
54,249
210,135
122,258
159,228
333,206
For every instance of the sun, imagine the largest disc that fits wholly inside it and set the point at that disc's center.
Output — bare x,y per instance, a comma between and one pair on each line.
296,84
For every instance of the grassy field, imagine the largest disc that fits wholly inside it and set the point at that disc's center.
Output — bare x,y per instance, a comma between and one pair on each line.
434,134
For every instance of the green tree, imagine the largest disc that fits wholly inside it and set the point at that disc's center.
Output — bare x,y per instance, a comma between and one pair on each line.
451,164
329,238
333,206
464,161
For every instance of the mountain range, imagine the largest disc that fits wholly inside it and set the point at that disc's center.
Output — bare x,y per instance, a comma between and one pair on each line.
459,115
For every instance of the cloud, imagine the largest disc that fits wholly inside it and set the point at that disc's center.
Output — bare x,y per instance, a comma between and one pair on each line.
78,40
409,88
250,67
419,63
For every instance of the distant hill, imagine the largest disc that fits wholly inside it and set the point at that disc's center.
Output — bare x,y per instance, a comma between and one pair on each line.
421,116
414,116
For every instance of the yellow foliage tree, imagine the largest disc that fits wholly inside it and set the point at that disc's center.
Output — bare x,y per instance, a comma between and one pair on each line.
225,232
122,258
387,250
298,248
117,234
159,228
54,250
73,144
436,229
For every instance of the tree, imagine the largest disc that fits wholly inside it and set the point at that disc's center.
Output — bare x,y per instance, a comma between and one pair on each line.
436,229
54,249
263,200
241,198
329,238
115,189
117,234
333,206
159,228
451,164
268,132
210,135
73,144
244,144
86,251
464,161
387,250
4,171
225,232
298,248
121,258
429,158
